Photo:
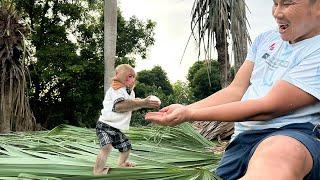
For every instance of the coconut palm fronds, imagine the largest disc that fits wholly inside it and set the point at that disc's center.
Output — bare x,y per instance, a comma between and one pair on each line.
213,18
68,152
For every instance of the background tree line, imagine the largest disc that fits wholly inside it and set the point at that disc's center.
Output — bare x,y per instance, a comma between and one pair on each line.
66,62
66,67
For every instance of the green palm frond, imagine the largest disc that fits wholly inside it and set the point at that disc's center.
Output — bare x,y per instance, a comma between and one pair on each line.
226,18
68,152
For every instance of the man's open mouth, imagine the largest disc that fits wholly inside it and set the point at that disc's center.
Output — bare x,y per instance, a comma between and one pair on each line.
283,27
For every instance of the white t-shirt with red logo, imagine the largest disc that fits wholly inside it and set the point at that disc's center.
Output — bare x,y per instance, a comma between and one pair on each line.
274,60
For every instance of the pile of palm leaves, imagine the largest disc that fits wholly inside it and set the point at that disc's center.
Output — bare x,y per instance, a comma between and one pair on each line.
68,152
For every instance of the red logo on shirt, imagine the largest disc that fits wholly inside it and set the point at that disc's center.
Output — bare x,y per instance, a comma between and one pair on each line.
272,46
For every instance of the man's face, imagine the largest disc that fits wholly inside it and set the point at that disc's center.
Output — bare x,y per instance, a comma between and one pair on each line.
297,19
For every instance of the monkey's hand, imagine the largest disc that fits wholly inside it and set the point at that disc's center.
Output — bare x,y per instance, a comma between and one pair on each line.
152,102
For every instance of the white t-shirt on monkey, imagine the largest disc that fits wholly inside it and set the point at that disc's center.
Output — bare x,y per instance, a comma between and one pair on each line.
117,120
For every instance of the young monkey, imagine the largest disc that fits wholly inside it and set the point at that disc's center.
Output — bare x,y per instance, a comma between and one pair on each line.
118,104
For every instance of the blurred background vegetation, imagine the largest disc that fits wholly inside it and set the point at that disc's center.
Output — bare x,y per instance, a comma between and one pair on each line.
53,49
65,50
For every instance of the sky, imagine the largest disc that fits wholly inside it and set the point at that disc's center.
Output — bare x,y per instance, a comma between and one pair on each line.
173,18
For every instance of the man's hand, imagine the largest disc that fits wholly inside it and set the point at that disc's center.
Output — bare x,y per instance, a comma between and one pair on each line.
170,116
171,108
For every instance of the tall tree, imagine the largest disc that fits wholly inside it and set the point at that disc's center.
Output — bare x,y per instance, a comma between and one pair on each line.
216,22
15,114
110,37
67,72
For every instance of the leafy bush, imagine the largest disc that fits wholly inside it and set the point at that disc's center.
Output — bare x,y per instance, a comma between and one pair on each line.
204,78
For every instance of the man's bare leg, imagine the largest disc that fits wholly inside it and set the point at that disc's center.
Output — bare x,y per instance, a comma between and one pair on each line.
123,160
279,158
99,168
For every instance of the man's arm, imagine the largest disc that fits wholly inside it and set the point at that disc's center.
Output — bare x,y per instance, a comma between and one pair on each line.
282,99
233,92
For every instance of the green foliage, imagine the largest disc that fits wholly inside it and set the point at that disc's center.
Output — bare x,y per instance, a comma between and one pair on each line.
134,36
152,82
232,73
204,78
156,77
67,68
137,119
182,93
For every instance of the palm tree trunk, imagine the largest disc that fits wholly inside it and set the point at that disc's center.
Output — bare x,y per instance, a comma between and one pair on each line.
110,38
15,113
5,109
227,20
223,56
240,46
216,129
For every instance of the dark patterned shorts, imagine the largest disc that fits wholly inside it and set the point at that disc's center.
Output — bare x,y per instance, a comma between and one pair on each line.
235,160
110,135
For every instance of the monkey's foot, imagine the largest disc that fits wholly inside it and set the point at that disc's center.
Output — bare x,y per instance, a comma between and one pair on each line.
128,164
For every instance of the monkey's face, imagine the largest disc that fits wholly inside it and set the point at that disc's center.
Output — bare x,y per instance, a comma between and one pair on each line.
130,80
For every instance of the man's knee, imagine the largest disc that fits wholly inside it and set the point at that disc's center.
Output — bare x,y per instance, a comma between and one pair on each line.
280,156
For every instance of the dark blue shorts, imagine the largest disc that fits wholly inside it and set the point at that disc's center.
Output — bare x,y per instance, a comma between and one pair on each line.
110,135
234,162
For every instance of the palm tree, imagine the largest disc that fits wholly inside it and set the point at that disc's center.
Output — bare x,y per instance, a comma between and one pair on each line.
216,22
110,38
15,114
